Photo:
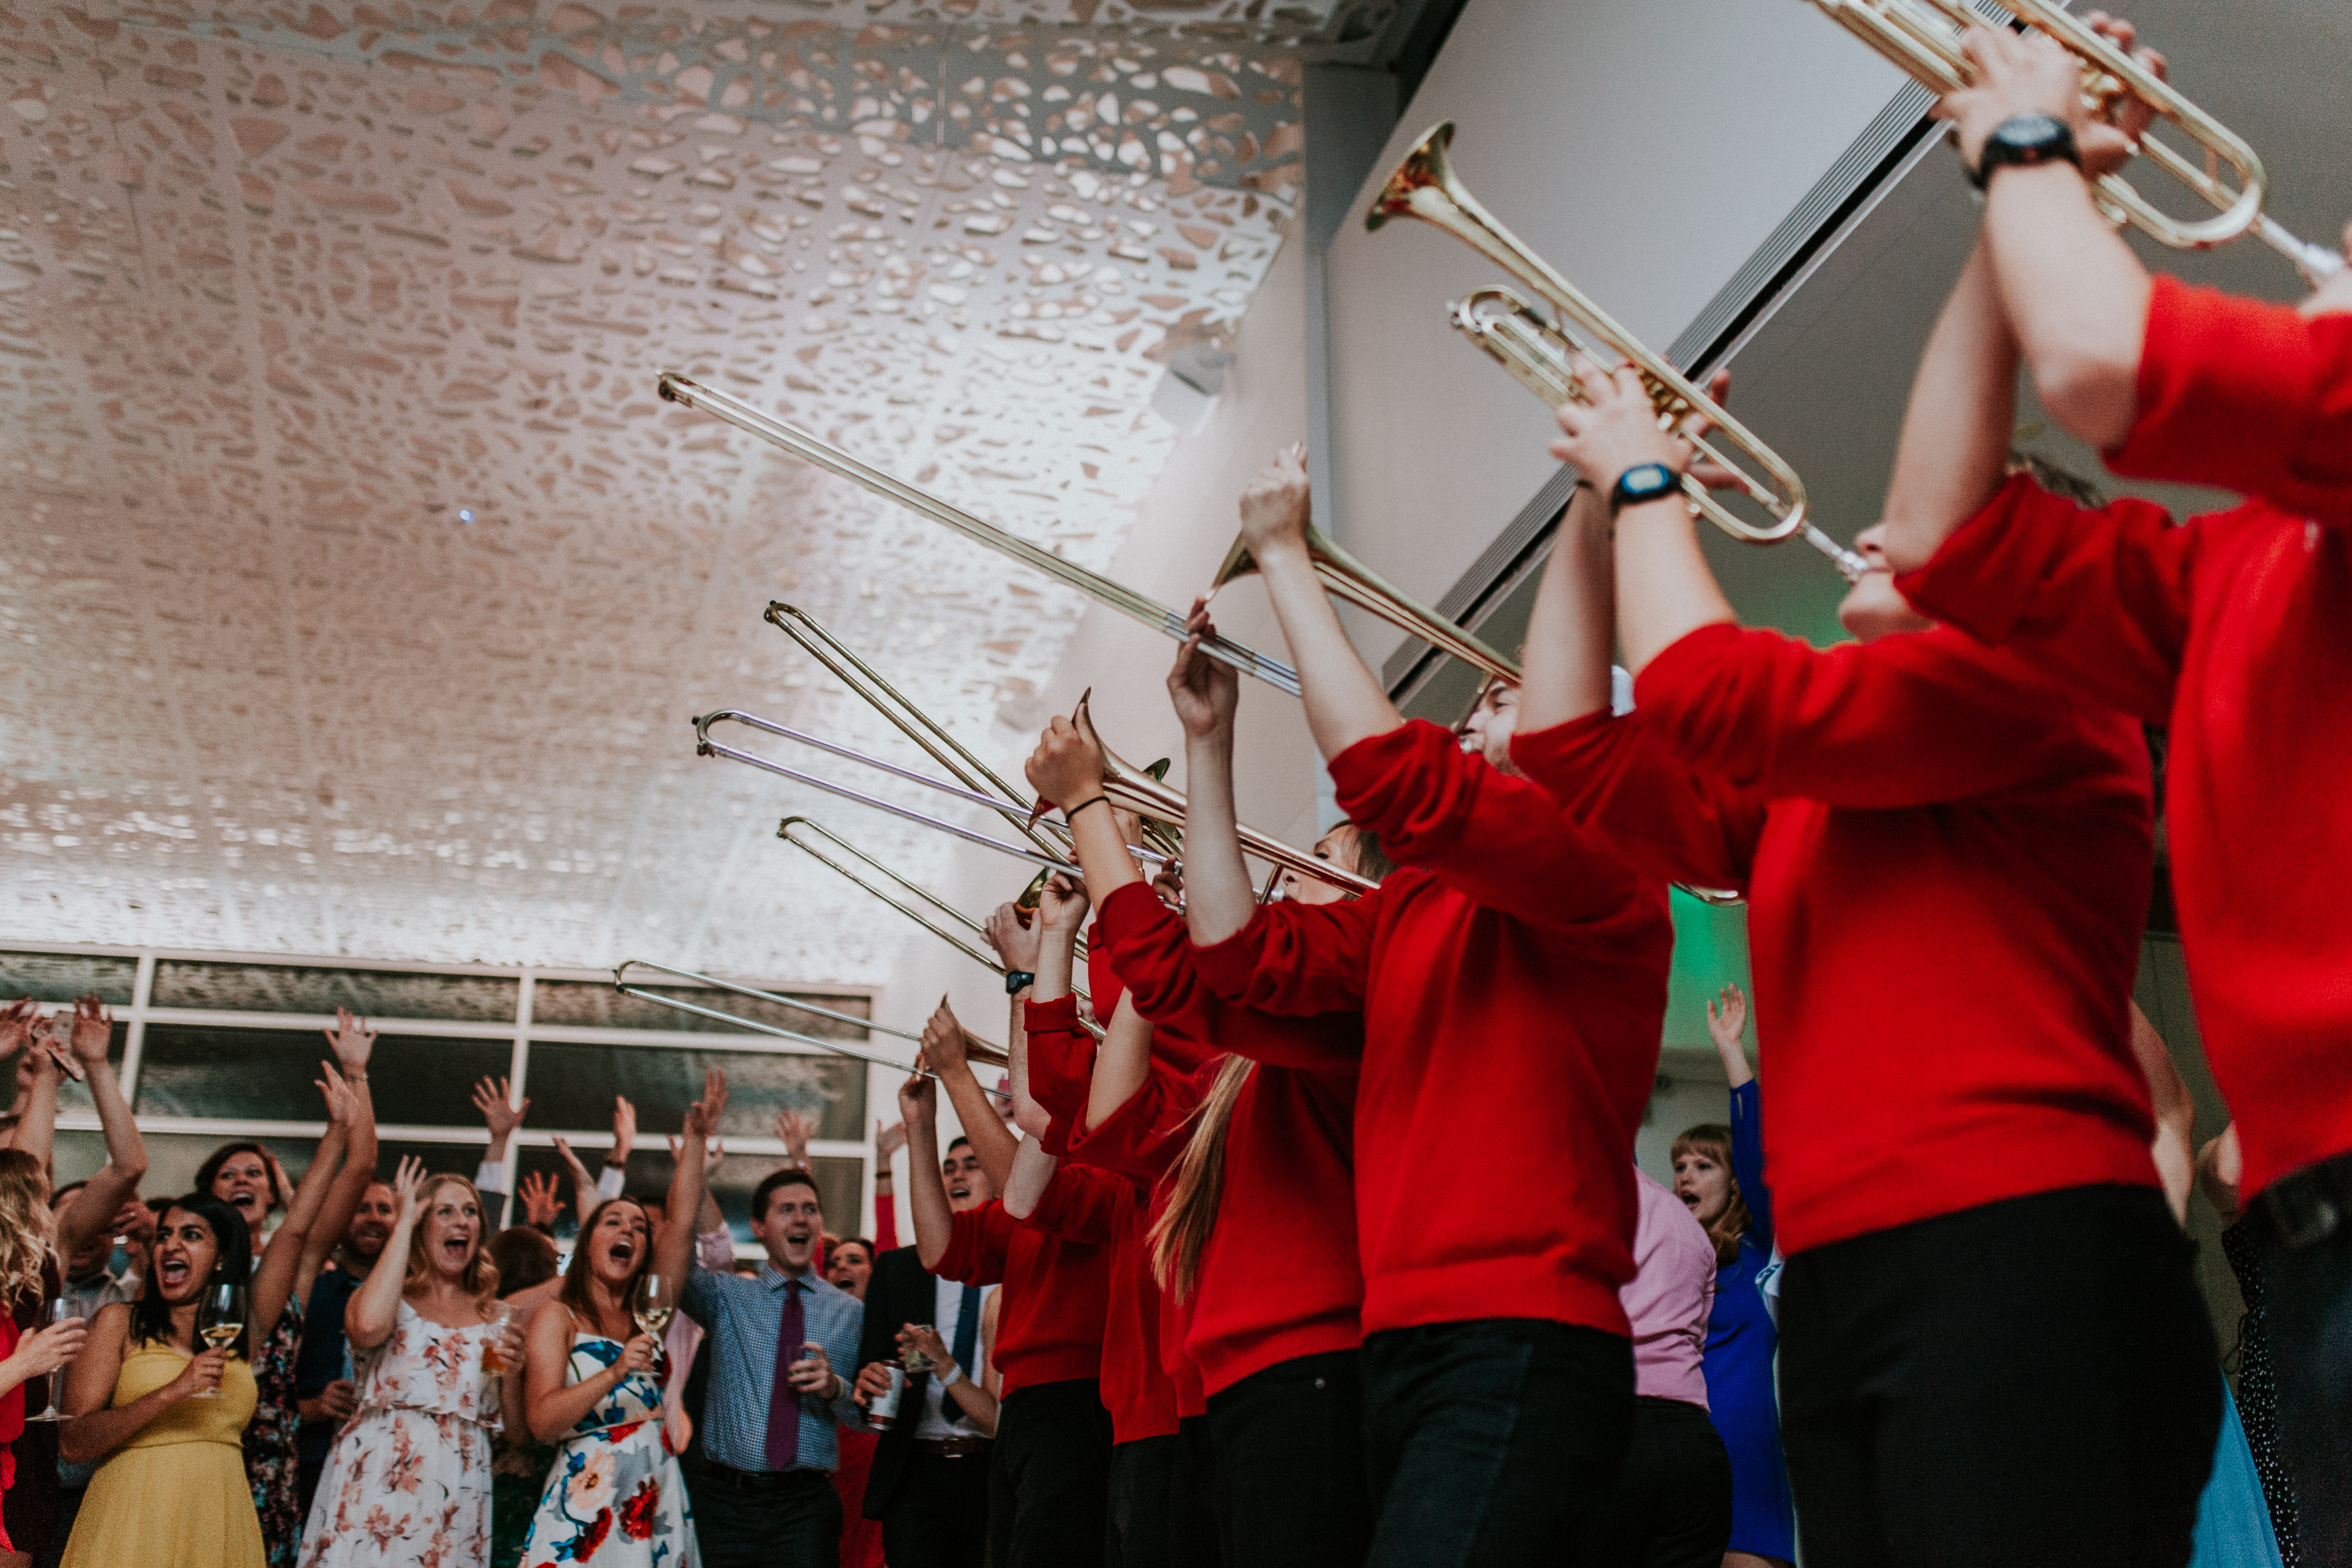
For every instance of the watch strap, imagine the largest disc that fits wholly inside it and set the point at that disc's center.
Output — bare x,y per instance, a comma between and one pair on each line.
1017,980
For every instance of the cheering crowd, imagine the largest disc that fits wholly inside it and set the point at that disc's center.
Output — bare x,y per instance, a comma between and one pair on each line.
1306,1230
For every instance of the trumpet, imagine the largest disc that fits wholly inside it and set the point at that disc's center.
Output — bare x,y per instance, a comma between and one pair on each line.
1539,353
676,388
1351,580
942,910
1922,38
978,1049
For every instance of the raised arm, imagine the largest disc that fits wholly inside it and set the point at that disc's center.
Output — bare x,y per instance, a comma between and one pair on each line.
274,1280
992,1141
1121,1064
887,1141
1066,768
374,1307
1218,898
583,1185
1039,1085
794,1131
100,1198
37,1121
491,1098
1033,1172
674,1254
354,1045
614,1179
1726,1027
1574,626
1956,432
2173,1150
1345,701
927,1190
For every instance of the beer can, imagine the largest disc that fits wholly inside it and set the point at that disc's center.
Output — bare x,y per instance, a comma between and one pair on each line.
883,1413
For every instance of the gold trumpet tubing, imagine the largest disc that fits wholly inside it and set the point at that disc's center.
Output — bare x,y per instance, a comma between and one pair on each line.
1537,354
1903,31
676,388
985,957
911,722
1346,578
974,1046
1424,186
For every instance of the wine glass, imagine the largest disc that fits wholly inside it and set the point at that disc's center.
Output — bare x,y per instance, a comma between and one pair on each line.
653,1303
59,1311
220,1318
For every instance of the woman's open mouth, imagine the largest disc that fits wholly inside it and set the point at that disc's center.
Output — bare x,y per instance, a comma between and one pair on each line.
171,1272
621,1253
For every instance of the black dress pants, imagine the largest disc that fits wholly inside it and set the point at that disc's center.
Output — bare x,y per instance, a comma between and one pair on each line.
1670,1507
1198,1535
768,1521
1492,1441
1290,1447
1049,1478
1137,1514
2308,1291
939,1516
2022,1383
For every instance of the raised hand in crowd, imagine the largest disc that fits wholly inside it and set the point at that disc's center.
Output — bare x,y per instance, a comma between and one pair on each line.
112,1194
793,1129
888,1141
673,1248
540,1207
490,1096
18,1019
1014,932
1725,1024
583,1185
625,1134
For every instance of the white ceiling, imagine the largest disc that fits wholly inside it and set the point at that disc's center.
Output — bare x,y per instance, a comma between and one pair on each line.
281,294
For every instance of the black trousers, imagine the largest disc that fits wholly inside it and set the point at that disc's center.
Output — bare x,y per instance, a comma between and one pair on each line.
1670,1507
1138,1515
1050,1477
2028,1381
1491,1441
939,1516
794,1524
1290,1447
1198,1534
2308,1295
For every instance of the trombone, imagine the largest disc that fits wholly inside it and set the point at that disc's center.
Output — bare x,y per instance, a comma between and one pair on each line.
979,1050
1538,352
943,911
676,388
1922,37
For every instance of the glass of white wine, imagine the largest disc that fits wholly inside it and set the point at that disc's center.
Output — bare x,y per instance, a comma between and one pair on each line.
653,1303
220,1318
59,1310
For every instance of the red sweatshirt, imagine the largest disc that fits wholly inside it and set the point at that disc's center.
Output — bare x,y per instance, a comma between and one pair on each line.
1946,860
2232,631
1050,1328
1512,978
1278,1278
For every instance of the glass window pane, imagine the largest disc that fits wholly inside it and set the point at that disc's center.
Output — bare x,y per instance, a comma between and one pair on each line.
594,1004
271,1075
62,976
300,988
571,1088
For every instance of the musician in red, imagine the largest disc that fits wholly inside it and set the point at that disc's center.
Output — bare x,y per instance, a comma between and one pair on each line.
2228,630
1992,1348
1511,974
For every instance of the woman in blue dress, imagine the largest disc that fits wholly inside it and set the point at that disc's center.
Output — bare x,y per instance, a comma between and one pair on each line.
1719,1172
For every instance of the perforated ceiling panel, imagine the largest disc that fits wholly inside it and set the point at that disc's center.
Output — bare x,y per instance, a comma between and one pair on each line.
357,589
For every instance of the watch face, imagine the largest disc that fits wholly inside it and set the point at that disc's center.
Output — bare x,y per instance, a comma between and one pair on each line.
2029,131
1650,479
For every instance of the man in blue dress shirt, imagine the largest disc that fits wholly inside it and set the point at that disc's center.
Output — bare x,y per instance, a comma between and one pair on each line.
768,1422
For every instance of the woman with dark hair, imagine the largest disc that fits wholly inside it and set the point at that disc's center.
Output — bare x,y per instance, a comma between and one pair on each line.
409,1480
1719,1172
592,1378
165,1413
524,1257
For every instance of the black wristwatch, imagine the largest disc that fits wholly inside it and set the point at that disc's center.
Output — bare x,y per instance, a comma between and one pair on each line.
2025,140
1017,980
1642,481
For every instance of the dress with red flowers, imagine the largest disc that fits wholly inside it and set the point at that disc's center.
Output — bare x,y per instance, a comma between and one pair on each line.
616,1498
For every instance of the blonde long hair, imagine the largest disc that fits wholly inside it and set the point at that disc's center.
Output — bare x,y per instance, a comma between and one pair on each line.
480,1279
24,1222
1197,1185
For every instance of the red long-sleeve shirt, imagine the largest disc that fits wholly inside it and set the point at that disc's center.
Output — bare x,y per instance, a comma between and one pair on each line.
1050,1328
2232,631
1512,978
1946,860
1278,1278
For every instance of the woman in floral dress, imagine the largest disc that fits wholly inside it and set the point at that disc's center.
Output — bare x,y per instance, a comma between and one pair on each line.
616,1498
408,1482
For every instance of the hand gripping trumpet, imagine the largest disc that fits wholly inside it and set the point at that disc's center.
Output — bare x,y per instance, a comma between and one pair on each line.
1922,38
1539,353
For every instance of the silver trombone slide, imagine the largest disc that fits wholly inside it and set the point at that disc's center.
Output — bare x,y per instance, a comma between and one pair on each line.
738,1021
977,1049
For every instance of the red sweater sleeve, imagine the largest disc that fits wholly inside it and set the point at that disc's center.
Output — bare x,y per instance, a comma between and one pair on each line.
2246,396
885,1224
1296,960
1148,944
1081,1203
1615,775
1893,723
978,1243
1146,1134
2098,599
1061,1065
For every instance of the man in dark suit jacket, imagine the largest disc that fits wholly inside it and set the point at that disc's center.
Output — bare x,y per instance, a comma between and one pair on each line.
929,1482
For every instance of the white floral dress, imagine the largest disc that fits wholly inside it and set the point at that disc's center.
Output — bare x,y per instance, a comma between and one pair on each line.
408,1481
616,1498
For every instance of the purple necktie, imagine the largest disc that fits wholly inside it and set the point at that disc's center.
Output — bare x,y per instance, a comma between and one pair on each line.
784,1407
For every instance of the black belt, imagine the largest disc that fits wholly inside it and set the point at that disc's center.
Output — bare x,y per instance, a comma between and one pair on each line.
964,1448
2312,1204
764,1480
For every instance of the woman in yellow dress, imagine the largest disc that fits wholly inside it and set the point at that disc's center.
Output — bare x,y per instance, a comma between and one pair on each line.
172,1493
